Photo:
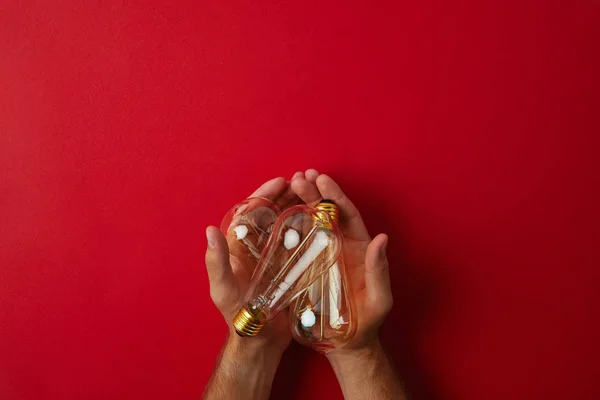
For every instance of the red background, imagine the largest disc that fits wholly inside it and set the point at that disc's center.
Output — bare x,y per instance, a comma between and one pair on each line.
467,131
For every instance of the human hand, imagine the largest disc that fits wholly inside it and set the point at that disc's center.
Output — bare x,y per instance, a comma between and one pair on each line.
229,282
365,260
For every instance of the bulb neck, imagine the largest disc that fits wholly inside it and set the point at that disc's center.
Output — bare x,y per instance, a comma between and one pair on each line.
247,324
331,209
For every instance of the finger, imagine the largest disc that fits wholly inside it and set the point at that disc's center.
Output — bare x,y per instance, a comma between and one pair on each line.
271,189
352,223
306,191
311,175
289,198
377,277
223,288
298,174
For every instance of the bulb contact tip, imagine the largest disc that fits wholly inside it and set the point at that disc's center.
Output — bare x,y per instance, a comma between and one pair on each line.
246,323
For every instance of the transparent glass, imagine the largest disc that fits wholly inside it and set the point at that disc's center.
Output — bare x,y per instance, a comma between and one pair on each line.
247,227
324,316
304,243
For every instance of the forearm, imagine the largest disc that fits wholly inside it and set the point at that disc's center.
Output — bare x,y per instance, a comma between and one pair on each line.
242,371
367,374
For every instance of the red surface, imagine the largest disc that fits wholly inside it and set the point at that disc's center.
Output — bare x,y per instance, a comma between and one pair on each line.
467,131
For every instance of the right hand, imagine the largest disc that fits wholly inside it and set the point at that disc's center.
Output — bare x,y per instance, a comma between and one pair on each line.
229,283
365,260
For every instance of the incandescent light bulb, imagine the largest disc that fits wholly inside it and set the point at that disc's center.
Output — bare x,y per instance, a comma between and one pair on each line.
247,227
304,243
324,316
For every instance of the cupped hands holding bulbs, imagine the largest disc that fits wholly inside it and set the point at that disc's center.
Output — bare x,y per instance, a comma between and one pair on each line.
247,365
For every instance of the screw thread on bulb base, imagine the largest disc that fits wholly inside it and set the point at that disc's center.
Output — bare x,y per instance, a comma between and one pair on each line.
331,209
246,323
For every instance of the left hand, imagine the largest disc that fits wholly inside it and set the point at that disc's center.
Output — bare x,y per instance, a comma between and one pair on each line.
228,284
365,259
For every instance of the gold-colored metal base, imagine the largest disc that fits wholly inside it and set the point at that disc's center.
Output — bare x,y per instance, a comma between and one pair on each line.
247,324
331,209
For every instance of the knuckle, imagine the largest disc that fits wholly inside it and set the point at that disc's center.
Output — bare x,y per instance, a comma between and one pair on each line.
388,304
208,263
217,297
385,266
209,260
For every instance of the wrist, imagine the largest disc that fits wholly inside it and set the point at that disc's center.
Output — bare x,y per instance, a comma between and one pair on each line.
244,369
251,350
366,372
364,354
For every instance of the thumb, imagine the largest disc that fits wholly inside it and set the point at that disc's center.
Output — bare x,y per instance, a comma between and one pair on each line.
223,286
377,277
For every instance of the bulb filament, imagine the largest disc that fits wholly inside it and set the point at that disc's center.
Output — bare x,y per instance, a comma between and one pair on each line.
320,243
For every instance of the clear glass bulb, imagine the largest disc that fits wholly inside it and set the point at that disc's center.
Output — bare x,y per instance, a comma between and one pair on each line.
247,227
305,242
324,316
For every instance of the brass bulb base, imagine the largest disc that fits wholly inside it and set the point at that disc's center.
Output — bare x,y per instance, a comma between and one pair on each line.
331,209
247,324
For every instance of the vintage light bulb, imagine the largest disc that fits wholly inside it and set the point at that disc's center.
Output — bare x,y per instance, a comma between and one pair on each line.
305,242
247,227
324,316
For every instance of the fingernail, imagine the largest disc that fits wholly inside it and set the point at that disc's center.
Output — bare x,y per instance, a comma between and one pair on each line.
210,239
383,248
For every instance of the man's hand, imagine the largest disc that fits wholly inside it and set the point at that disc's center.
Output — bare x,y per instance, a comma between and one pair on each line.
365,259
246,366
228,284
363,368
